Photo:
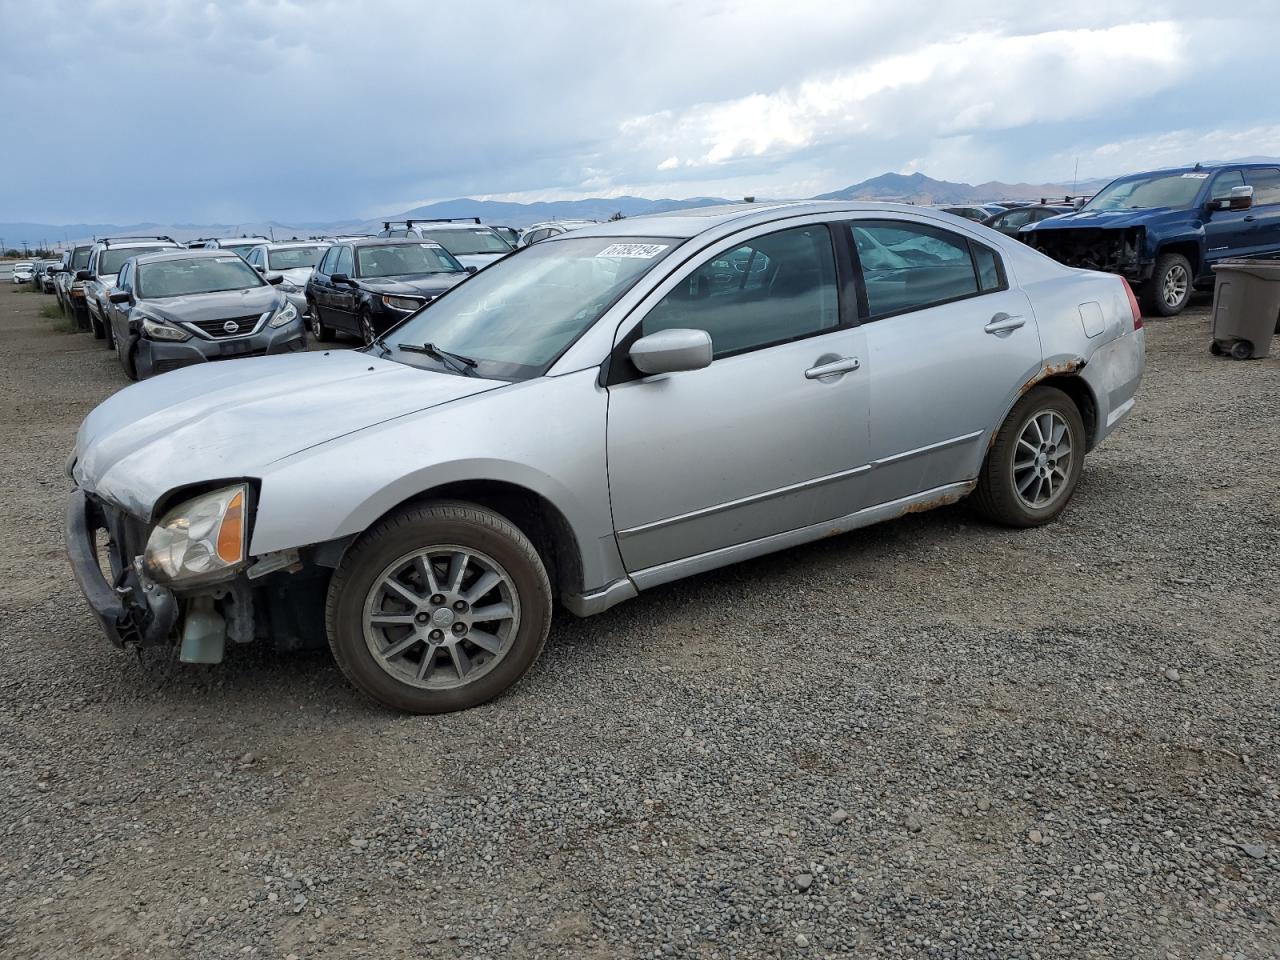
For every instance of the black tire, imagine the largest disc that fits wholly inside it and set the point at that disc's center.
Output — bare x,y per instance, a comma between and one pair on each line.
1242,349
1168,265
997,497
99,330
128,361
367,332
1216,348
110,336
419,527
318,330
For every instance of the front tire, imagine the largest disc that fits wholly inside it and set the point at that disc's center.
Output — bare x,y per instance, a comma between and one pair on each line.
318,330
99,329
1168,291
1034,464
367,333
439,607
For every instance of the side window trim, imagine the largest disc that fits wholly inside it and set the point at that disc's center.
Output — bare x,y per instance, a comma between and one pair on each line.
972,245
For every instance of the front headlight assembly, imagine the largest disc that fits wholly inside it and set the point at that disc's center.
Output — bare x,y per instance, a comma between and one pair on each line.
154,329
284,315
205,538
402,303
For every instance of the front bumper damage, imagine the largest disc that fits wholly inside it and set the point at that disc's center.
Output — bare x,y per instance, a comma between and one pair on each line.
135,611
1094,248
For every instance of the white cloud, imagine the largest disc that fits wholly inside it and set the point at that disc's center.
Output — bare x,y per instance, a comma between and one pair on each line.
669,164
979,82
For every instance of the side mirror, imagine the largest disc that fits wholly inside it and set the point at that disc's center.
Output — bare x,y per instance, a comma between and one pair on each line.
120,296
473,269
83,275
1241,198
260,268
339,278
671,351
273,278
51,270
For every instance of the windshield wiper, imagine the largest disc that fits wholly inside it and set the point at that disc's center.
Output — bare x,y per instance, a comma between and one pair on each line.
454,361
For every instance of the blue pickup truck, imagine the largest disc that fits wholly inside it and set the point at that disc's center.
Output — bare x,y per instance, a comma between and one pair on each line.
1165,230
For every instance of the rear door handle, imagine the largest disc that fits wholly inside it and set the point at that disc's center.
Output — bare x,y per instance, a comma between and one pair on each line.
1003,323
843,365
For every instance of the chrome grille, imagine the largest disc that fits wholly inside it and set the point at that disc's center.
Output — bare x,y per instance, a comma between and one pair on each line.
218,329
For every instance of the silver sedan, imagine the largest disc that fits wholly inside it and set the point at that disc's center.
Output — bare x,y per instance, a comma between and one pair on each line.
597,415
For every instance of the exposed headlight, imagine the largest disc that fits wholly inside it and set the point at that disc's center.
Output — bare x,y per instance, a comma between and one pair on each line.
203,538
283,316
160,330
402,303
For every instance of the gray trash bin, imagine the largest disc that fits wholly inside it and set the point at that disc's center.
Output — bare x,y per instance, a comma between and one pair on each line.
1246,307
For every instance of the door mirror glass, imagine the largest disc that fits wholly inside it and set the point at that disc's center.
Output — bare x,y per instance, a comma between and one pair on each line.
671,351
340,278
83,275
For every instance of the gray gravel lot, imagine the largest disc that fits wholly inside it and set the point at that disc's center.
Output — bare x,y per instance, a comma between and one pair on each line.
933,738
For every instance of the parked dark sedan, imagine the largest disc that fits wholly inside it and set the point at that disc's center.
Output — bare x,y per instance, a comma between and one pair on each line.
1011,221
181,307
365,287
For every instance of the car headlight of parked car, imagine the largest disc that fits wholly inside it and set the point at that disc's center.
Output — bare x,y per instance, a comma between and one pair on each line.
284,315
154,329
202,538
402,303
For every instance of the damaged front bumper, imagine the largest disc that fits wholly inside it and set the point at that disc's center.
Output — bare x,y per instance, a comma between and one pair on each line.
1095,248
283,605
132,610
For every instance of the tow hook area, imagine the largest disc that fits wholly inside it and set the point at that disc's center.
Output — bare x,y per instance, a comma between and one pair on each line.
204,633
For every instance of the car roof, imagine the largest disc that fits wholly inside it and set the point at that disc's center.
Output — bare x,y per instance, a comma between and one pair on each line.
424,225
381,241
286,244
683,224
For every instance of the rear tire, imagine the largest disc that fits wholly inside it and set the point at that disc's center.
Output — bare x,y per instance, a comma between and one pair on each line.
99,331
1242,349
412,666
318,330
1168,291
1024,482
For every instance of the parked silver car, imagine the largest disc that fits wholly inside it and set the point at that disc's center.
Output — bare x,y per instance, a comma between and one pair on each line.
294,260
99,276
594,416
472,243
23,270
537,232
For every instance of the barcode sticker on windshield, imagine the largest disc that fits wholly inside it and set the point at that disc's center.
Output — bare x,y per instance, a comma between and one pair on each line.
636,251
429,246
1195,176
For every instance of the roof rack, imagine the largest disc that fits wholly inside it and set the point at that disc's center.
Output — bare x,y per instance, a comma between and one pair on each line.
386,224
107,241
1066,201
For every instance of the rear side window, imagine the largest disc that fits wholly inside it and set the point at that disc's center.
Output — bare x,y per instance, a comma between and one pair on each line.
344,261
1266,185
770,290
911,266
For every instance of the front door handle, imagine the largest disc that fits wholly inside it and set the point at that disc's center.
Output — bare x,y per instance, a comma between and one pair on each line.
1250,218
843,365
1003,323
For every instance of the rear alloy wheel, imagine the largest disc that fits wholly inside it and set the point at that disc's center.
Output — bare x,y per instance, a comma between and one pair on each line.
1032,468
439,607
318,330
1169,289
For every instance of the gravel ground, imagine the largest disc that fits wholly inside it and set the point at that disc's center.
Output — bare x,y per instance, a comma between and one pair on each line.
933,738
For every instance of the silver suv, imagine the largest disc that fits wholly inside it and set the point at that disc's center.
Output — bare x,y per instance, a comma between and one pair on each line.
469,241
98,277
596,415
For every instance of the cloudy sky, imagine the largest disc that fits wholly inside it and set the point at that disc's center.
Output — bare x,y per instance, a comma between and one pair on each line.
240,110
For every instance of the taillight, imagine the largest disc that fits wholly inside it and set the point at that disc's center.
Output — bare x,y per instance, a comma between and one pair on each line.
1133,304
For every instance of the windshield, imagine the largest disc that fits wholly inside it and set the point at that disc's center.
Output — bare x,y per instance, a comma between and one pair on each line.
239,249
516,317
294,258
112,260
462,243
1176,191
400,259
80,259
178,278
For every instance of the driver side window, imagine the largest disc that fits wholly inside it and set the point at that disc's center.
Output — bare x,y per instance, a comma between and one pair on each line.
770,290
1223,183
344,262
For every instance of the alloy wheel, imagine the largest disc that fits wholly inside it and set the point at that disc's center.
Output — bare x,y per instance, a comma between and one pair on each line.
313,321
441,617
1042,459
366,329
1175,285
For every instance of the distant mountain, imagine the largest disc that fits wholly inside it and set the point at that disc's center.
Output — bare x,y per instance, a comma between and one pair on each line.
902,187
919,188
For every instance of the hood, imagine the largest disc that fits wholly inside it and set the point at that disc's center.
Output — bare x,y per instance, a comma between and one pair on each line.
1109,219
298,276
232,419
431,284
216,306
